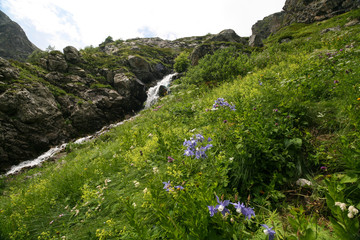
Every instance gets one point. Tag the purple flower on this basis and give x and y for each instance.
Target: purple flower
(222, 206)
(179, 187)
(225, 121)
(170, 159)
(212, 210)
(269, 231)
(275, 110)
(248, 212)
(323, 168)
(189, 152)
(238, 206)
(167, 185)
(209, 139)
(336, 81)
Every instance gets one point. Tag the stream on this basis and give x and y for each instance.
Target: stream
(152, 97)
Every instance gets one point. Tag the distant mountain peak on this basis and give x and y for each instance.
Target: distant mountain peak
(14, 43)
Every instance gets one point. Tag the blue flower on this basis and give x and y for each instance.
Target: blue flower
(238, 206)
(248, 212)
(167, 185)
(222, 206)
(212, 210)
(269, 231)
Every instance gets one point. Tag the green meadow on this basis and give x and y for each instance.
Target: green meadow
(225, 151)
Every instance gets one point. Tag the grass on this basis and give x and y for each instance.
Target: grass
(297, 110)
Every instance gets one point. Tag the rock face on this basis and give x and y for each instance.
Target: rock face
(13, 41)
(300, 11)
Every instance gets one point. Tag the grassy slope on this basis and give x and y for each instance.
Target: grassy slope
(296, 110)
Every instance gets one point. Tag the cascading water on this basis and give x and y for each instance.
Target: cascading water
(153, 92)
(151, 99)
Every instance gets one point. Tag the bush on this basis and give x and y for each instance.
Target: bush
(182, 62)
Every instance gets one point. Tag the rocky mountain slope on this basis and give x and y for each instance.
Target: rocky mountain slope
(303, 11)
(14, 43)
(58, 96)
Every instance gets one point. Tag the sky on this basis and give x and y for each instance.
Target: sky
(81, 23)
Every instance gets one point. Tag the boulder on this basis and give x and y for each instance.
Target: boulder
(56, 62)
(71, 54)
(227, 35)
(130, 88)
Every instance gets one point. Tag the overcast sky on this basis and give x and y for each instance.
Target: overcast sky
(81, 23)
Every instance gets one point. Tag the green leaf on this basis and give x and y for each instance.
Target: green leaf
(348, 179)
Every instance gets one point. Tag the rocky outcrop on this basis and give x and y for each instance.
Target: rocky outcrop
(14, 43)
(223, 39)
(300, 11)
(7, 71)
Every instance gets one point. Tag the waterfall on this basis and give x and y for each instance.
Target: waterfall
(153, 92)
(151, 99)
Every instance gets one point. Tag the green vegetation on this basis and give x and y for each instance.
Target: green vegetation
(296, 116)
(182, 62)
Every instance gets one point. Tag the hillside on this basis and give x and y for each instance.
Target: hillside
(247, 136)
(14, 43)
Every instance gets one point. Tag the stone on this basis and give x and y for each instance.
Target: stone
(7, 71)
(56, 62)
(71, 54)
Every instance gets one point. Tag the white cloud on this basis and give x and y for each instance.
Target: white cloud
(89, 22)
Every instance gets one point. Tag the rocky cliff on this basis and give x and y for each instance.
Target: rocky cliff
(13, 41)
(299, 11)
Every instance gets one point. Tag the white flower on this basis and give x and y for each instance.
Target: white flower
(238, 210)
(341, 205)
(145, 191)
(134, 205)
(266, 232)
(350, 215)
(136, 183)
(155, 170)
(353, 210)
(150, 135)
(220, 208)
(303, 182)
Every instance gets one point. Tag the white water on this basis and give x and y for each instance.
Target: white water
(151, 99)
(153, 91)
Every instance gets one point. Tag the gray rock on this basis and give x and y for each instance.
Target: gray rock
(71, 54)
(56, 62)
(7, 71)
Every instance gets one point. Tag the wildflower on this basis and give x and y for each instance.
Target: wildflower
(212, 210)
(167, 185)
(225, 121)
(276, 124)
(155, 170)
(353, 210)
(248, 212)
(134, 205)
(358, 99)
(260, 83)
(179, 187)
(170, 159)
(145, 191)
(238, 206)
(222, 206)
(61, 215)
(350, 215)
(275, 110)
(303, 182)
(136, 183)
(323, 168)
(341, 205)
(188, 152)
(336, 81)
(150, 135)
(220, 102)
(269, 231)
(51, 222)
(209, 139)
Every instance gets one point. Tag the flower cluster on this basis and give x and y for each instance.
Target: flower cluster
(352, 211)
(240, 208)
(248, 212)
(193, 148)
(167, 186)
(220, 102)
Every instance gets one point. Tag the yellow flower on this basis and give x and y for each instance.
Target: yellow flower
(358, 99)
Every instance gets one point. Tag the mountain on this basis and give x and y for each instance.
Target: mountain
(299, 11)
(14, 43)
